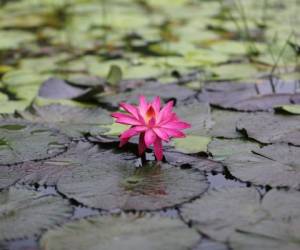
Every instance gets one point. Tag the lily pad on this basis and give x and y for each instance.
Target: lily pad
(223, 148)
(224, 124)
(291, 109)
(261, 96)
(188, 161)
(192, 144)
(21, 141)
(55, 88)
(280, 230)
(198, 115)
(220, 212)
(271, 128)
(150, 90)
(26, 213)
(113, 183)
(127, 233)
(274, 165)
(267, 235)
(73, 121)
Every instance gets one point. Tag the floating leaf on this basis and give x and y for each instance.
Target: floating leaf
(49, 171)
(280, 230)
(114, 76)
(274, 165)
(267, 235)
(198, 115)
(221, 149)
(21, 141)
(251, 97)
(25, 213)
(224, 124)
(73, 121)
(270, 128)
(192, 144)
(220, 212)
(125, 233)
(292, 109)
(55, 88)
(190, 161)
(113, 183)
(150, 90)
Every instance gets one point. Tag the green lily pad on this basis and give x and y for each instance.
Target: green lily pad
(221, 149)
(49, 171)
(224, 124)
(21, 141)
(14, 39)
(267, 235)
(291, 109)
(73, 121)
(273, 165)
(220, 212)
(198, 115)
(192, 144)
(112, 183)
(150, 90)
(7, 107)
(55, 88)
(280, 230)
(262, 96)
(126, 232)
(271, 128)
(25, 213)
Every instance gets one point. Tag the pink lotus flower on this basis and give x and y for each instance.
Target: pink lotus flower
(152, 123)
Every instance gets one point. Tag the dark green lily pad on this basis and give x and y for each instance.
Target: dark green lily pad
(224, 124)
(223, 148)
(198, 115)
(49, 171)
(113, 183)
(291, 109)
(25, 213)
(274, 165)
(55, 88)
(188, 161)
(9, 176)
(270, 128)
(251, 97)
(21, 141)
(280, 230)
(191, 144)
(219, 212)
(267, 235)
(73, 121)
(150, 90)
(126, 232)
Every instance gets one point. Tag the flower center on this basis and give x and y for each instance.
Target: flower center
(149, 114)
